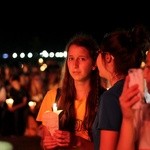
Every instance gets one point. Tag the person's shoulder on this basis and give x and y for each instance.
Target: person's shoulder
(51, 92)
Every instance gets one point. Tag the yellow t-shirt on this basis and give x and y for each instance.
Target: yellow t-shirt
(80, 112)
(47, 103)
(80, 105)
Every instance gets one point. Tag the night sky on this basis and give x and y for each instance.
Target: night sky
(51, 29)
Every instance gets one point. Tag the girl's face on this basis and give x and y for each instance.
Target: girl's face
(79, 63)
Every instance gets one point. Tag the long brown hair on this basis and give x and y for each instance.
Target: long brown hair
(68, 91)
(127, 48)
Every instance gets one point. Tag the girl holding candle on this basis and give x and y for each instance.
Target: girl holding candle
(79, 97)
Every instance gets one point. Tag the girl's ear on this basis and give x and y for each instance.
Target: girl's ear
(109, 57)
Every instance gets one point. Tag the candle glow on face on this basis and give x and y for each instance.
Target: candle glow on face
(54, 107)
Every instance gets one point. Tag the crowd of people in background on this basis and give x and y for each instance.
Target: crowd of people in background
(94, 95)
(23, 85)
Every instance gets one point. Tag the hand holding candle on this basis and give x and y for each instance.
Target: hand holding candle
(51, 119)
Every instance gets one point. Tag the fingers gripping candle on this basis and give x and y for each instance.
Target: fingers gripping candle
(51, 119)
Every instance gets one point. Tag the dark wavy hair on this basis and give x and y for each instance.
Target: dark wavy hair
(68, 91)
(127, 47)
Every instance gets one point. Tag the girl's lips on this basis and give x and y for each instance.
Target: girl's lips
(76, 72)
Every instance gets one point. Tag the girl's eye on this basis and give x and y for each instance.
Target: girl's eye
(78, 59)
(70, 58)
(82, 59)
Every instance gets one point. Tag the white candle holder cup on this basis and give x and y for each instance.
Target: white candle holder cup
(32, 105)
(9, 102)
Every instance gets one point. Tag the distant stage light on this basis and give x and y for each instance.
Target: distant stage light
(5, 56)
(65, 54)
(14, 55)
(58, 54)
(22, 55)
(30, 55)
(44, 53)
(51, 54)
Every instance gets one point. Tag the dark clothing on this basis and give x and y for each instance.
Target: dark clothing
(109, 116)
(19, 115)
(6, 119)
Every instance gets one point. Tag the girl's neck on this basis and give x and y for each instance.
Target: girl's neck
(80, 86)
(116, 79)
(82, 90)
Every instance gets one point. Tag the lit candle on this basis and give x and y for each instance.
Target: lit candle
(9, 102)
(54, 107)
(32, 104)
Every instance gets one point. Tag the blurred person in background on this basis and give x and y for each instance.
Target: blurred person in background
(36, 94)
(36, 90)
(3, 93)
(3, 107)
(52, 76)
(6, 72)
(25, 80)
(19, 107)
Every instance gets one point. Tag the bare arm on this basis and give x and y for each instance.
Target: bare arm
(108, 140)
(127, 132)
(127, 136)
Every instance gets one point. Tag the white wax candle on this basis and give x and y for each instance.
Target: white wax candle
(54, 107)
(32, 104)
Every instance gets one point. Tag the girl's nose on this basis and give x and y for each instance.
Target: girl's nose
(76, 63)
